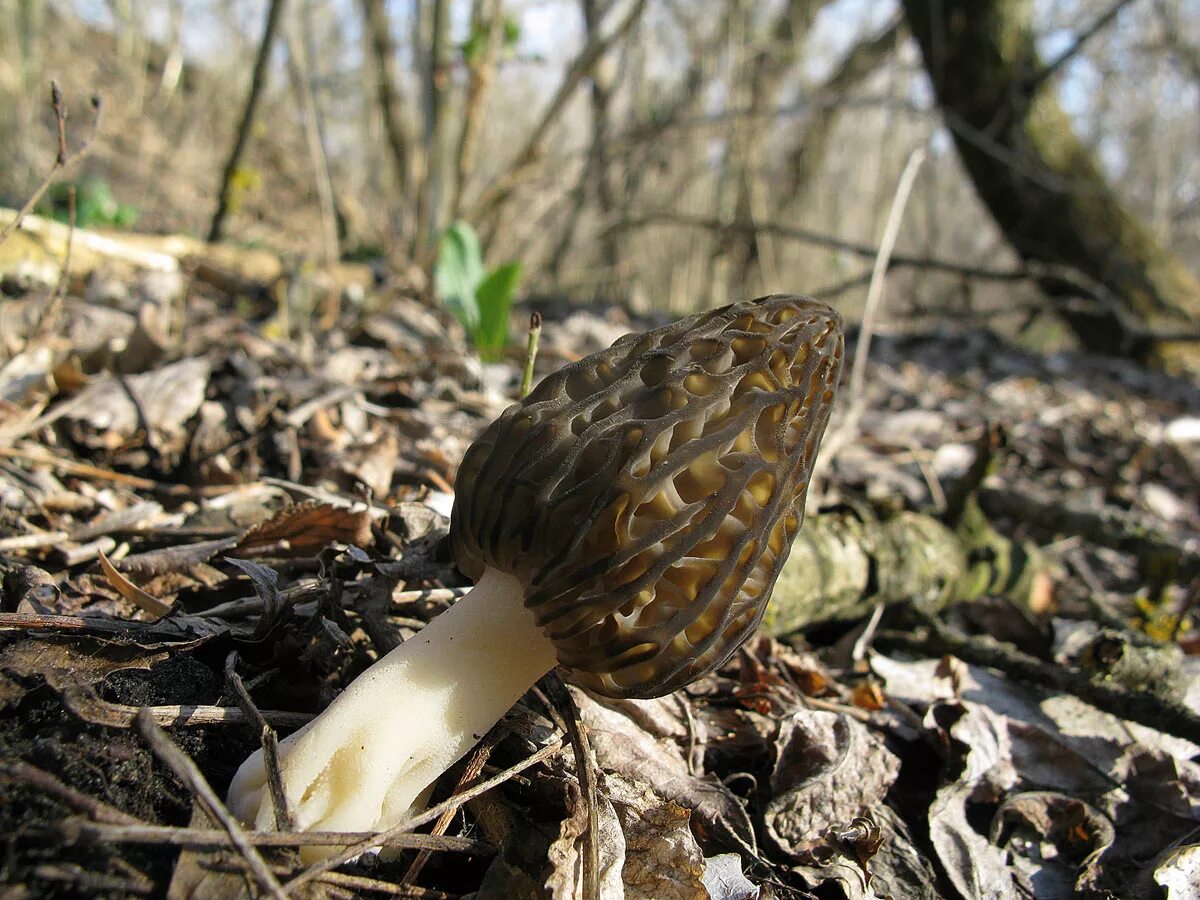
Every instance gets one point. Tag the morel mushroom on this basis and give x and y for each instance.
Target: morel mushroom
(626, 520)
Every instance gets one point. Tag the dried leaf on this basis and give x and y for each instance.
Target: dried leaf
(305, 529)
(1179, 872)
(1076, 833)
(166, 397)
(647, 851)
(566, 855)
(979, 742)
(829, 769)
(723, 878)
(132, 592)
(624, 747)
(868, 695)
(72, 661)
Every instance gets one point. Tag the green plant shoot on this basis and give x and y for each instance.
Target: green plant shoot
(479, 299)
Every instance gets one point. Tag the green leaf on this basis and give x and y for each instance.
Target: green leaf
(512, 32)
(472, 47)
(458, 274)
(495, 298)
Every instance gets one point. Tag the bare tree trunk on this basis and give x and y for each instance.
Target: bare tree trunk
(437, 83)
(301, 77)
(487, 14)
(807, 154)
(257, 82)
(1045, 189)
(22, 25)
(488, 206)
(595, 172)
(646, 150)
(768, 67)
(406, 163)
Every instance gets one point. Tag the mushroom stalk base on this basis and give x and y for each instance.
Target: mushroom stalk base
(364, 762)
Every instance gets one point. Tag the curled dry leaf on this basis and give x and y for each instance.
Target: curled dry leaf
(1056, 842)
(624, 746)
(1178, 871)
(979, 742)
(131, 592)
(829, 769)
(647, 851)
(305, 529)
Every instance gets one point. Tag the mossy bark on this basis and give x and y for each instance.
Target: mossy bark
(1044, 188)
(845, 562)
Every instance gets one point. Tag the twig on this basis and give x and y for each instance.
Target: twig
(88, 706)
(35, 541)
(48, 311)
(61, 160)
(470, 772)
(531, 349)
(179, 629)
(857, 404)
(189, 773)
(362, 846)
(891, 230)
(587, 780)
(1042, 75)
(83, 470)
(136, 832)
(820, 239)
(270, 745)
(1135, 706)
(21, 771)
(257, 81)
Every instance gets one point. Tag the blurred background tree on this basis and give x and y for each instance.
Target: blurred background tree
(664, 153)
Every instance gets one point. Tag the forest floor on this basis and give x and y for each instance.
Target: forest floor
(211, 512)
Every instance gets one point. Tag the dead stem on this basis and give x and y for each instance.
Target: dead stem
(189, 773)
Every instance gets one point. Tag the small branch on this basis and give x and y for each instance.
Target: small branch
(819, 239)
(214, 838)
(1134, 706)
(189, 773)
(84, 702)
(470, 772)
(270, 745)
(359, 847)
(62, 159)
(848, 427)
(891, 231)
(500, 190)
(1046, 72)
(19, 771)
(585, 769)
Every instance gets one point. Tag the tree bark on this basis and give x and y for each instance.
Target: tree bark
(595, 173)
(481, 71)
(808, 153)
(768, 67)
(845, 562)
(383, 48)
(257, 83)
(1044, 188)
(437, 94)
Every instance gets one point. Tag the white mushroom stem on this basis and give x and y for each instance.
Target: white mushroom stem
(364, 763)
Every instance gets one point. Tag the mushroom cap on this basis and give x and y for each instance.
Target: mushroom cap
(647, 496)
